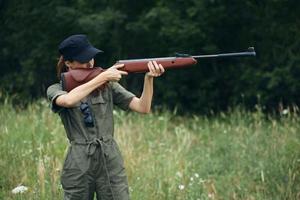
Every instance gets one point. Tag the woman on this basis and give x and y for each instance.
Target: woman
(93, 163)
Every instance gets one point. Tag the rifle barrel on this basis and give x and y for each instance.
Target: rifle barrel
(249, 52)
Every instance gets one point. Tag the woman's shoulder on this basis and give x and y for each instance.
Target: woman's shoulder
(54, 87)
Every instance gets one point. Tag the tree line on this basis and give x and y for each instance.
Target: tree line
(31, 31)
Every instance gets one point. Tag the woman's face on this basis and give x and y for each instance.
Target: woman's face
(76, 64)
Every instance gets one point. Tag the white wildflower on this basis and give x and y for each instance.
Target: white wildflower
(179, 174)
(181, 187)
(196, 175)
(201, 180)
(19, 189)
(285, 112)
(192, 178)
(130, 189)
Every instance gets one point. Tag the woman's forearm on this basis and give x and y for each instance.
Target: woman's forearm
(78, 93)
(143, 104)
(147, 94)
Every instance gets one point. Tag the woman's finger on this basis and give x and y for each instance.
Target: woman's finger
(117, 66)
(156, 65)
(123, 72)
(162, 69)
(156, 69)
(151, 67)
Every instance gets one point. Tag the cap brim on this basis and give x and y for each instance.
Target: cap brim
(87, 55)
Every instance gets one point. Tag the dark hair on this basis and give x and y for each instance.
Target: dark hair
(61, 67)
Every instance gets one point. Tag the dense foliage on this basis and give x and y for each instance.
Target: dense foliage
(31, 31)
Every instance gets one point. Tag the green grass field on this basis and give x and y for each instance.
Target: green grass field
(238, 155)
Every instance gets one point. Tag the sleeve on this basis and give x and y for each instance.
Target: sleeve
(53, 92)
(121, 96)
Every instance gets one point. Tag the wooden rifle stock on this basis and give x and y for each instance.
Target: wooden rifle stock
(74, 78)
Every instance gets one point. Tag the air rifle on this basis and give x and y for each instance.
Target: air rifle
(74, 78)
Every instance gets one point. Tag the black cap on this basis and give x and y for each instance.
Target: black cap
(78, 48)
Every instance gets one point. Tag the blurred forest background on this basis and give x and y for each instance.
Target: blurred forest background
(31, 31)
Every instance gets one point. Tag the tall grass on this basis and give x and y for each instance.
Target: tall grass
(237, 155)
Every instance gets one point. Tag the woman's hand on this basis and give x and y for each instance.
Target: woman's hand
(155, 69)
(143, 103)
(113, 73)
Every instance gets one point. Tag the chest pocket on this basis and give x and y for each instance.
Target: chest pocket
(100, 103)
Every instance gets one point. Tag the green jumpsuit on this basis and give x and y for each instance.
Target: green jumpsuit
(93, 163)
